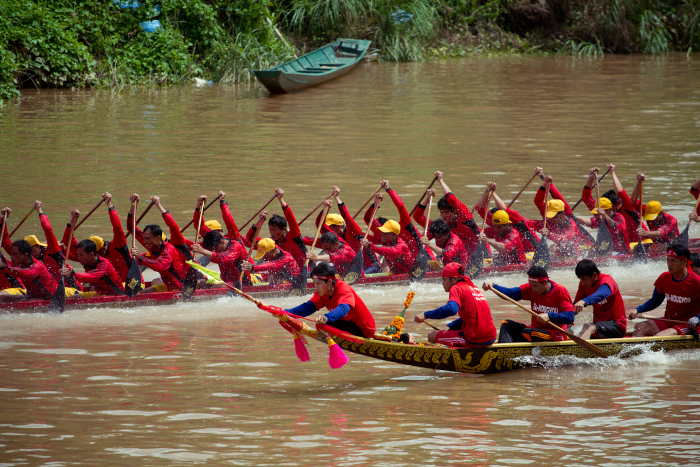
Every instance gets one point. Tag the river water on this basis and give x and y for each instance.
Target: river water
(218, 382)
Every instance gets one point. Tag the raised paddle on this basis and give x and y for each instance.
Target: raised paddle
(640, 251)
(358, 262)
(523, 189)
(542, 256)
(89, 213)
(601, 177)
(201, 214)
(250, 252)
(189, 285)
(420, 264)
(315, 209)
(148, 208)
(259, 211)
(582, 342)
(366, 202)
(21, 222)
(421, 198)
(476, 260)
(603, 241)
(132, 286)
(58, 301)
(682, 238)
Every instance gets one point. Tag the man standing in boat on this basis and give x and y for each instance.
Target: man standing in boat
(474, 327)
(680, 287)
(601, 292)
(347, 311)
(549, 300)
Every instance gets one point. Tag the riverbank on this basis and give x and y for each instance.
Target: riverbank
(60, 43)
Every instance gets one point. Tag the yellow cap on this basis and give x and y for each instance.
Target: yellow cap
(646, 240)
(554, 207)
(605, 203)
(32, 240)
(652, 210)
(390, 227)
(264, 246)
(99, 241)
(500, 218)
(213, 225)
(334, 219)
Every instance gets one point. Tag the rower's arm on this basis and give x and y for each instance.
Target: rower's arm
(338, 312)
(499, 202)
(51, 242)
(585, 221)
(303, 310)
(351, 226)
(161, 263)
(231, 226)
(176, 237)
(119, 239)
(294, 229)
(617, 186)
(637, 188)
(481, 204)
(515, 293)
(586, 194)
(455, 325)
(598, 296)
(445, 311)
(6, 242)
(445, 189)
(404, 218)
(656, 299)
(203, 229)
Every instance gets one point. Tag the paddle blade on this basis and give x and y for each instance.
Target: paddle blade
(189, 285)
(354, 272)
(420, 266)
(298, 287)
(542, 258)
(583, 231)
(604, 241)
(132, 286)
(588, 346)
(476, 261)
(58, 301)
(203, 261)
(682, 238)
(640, 253)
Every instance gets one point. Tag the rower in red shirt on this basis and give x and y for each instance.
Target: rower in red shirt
(395, 251)
(500, 234)
(615, 223)
(621, 203)
(277, 264)
(548, 299)
(227, 253)
(213, 225)
(680, 287)
(347, 311)
(38, 282)
(337, 252)
(474, 328)
(448, 247)
(99, 272)
(601, 292)
(7, 280)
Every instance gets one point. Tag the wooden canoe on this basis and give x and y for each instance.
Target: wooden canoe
(267, 291)
(499, 358)
(321, 65)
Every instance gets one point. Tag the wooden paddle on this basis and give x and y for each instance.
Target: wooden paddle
(148, 208)
(189, 285)
(21, 222)
(674, 321)
(318, 230)
(640, 251)
(315, 209)
(250, 252)
(542, 256)
(358, 262)
(58, 301)
(201, 214)
(523, 189)
(89, 213)
(601, 177)
(2, 229)
(603, 241)
(133, 277)
(259, 211)
(421, 198)
(427, 216)
(367, 202)
(437, 329)
(476, 261)
(583, 343)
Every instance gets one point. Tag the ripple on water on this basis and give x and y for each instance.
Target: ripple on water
(129, 413)
(192, 416)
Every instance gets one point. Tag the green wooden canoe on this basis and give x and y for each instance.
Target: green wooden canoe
(321, 65)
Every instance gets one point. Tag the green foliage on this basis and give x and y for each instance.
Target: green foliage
(653, 34)
(585, 49)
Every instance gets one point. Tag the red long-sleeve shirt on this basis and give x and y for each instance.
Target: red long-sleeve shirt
(464, 226)
(514, 252)
(7, 280)
(629, 213)
(169, 263)
(453, 251)
(37, 280)
(353, 235)
(229, 261)
(282, 268)
(621, 241)
(342, 258)
(524, 227)
(293, 242)
(409, 233)
(103, 277)
(567, 237)
(398, 256)
(53, 257)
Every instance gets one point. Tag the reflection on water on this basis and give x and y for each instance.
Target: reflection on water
(219, 383)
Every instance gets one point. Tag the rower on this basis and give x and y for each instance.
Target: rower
(548, 299)
(99, 272)
(279, 264)
(448, 247)
(663, 227)
(213, 225)
(337, 252)
(227, 253)
(680, 286)
(347, 311)
(399, 258)
(474, 328)
(600, 291)
(615, 223)
(500, 235)
(623, 204)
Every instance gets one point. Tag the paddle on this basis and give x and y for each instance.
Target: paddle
(421, 198)
(542, 256)
(259, 211)
(58, 301)
(21, 222)
(601, 177)
(583, 343)
(420, 265)
(89, 213)
(437, 329)
(132, 286)
(201, 214)
(640, 251)
(148, 208)
(603, 241)
(682, 238)
(315, 209)
(318, 230)
(250, 252)
(523, 189)
(674, 321)
(476, 261)
(356, 267)
(189, 285)
(367, 202)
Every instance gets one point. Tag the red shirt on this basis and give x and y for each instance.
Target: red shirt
(53, 257)
(668, 226)
(629, 213)
(453, 251)
(293, 242)
(682, 298)
(514, 252)
(611, 308)
(342, 258)
(353, 235)
(36, 279)
(398, 256)
(477, 323)
(556, 301)
(620, 237)
(229, 261)
(528, 237)
(231, 227)
(282, 268)
(103, 277)
(464, 227)
(169, 262)
(567, 237)
(358, 314)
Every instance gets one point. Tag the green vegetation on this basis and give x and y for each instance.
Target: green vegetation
(69, 43)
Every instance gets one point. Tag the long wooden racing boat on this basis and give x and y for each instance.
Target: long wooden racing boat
(321, 65)
(505, 357)
(267, 291)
